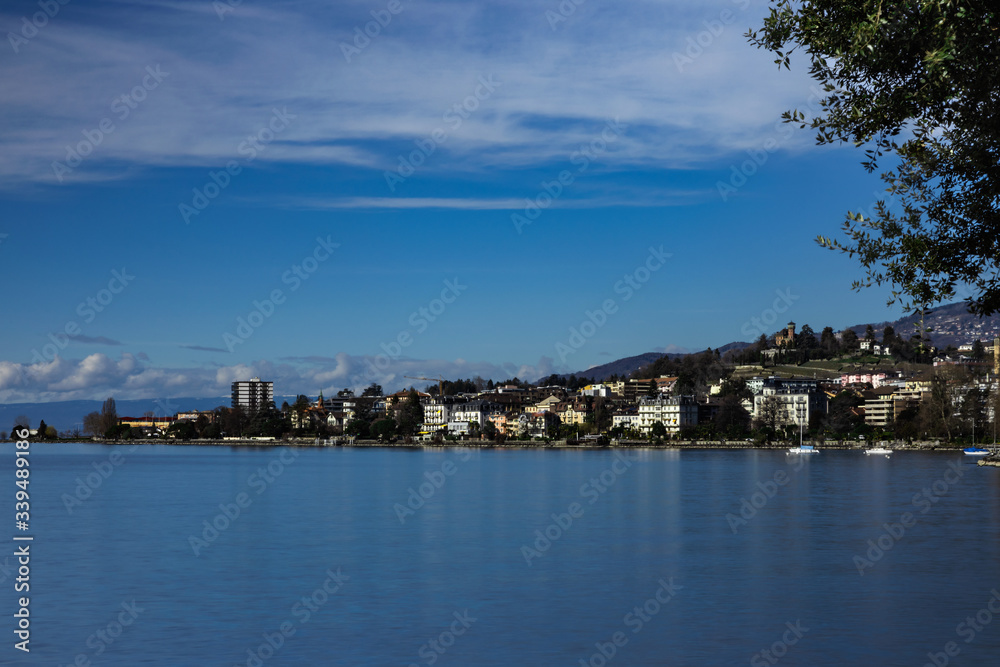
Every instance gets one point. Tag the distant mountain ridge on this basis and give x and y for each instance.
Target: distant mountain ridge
(951, 324)
(622, 367)
(628, 365)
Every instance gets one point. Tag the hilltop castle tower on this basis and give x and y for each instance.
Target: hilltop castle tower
(786, 337)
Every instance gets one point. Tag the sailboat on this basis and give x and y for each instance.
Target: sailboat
(879, 449)
(994, 449)
(978, 451)
(802, 449)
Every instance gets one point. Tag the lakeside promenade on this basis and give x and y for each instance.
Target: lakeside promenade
(923, 446)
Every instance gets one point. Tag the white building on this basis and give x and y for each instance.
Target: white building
(873, 347)
(674, 412)
(758, 384)
(463, 414)
(437, 414)
(626, 420)
(547, 404)
(253, 395)
(797, 407)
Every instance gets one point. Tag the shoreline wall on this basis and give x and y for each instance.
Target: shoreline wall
(524, 444)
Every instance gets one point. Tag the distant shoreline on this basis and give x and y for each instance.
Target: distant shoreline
(520, 444)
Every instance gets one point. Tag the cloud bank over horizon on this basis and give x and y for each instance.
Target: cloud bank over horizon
(98, 376)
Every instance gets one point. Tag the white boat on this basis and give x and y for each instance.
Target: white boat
(802, 449)
(979, 451)
(878, 450)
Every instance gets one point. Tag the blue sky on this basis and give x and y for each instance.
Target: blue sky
(518, 171)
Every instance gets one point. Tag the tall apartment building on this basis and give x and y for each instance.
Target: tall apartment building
(253, 395)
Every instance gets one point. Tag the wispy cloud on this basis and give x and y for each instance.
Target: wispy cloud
(202, 348)
(601, 63)
(95, 340)
(667, 197)
(412, 202)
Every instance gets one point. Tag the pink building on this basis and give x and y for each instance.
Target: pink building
(876, 380)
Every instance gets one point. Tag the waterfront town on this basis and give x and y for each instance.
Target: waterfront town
(793, 383)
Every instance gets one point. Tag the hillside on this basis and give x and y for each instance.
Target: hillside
(628, 365)
(951, 324)
(621, 367)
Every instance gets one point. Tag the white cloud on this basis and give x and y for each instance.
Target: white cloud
(557, 87)
(662, 197)
(98, 376)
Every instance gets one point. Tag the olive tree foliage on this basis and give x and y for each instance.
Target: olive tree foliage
(917, 84)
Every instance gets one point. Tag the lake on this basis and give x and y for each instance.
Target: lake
(183, 555)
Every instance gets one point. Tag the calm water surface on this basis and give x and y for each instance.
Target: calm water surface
(657, 556)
